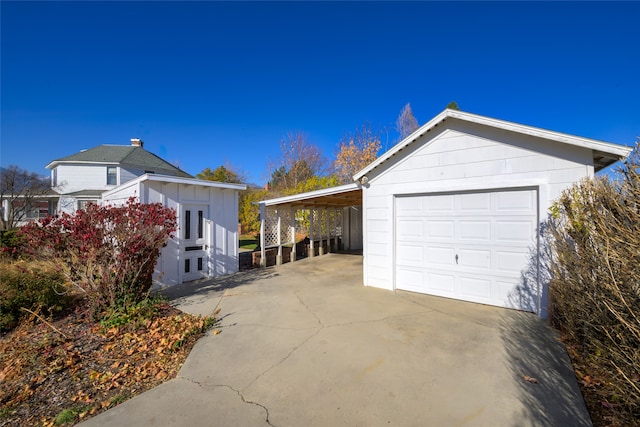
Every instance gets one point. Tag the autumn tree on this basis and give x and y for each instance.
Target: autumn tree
(453, 105)
(406, 123)
(226, 173)
(299, 160)
(355, 151)
(19, 190)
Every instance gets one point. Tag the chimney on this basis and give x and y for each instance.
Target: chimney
(137, 142)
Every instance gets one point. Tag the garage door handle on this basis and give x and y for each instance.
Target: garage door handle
(456, 258)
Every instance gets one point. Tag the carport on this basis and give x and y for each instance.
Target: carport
(331, 217)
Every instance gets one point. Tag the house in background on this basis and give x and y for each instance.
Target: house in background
(454, 209)
(206, 243)
(82, 177)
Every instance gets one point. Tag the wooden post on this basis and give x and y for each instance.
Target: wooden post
(263, 253)
(292, 228)
(279, 256)
(312, 251)
(321, 248)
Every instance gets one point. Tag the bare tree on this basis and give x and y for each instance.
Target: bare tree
(299, 161)
(406, 122)
(356, 150)
(19, 192)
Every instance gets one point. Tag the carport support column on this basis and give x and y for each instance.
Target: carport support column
(321, 248)
(263, 254)
(328, 221)
(292, 230)
(312, 251)
(279, 256)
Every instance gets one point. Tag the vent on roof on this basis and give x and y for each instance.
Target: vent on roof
(137, 142)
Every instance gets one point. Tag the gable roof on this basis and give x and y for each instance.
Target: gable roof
(125, 155)
(604, 153)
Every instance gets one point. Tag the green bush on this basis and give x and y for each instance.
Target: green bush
(31, 285)
(595, 276)
(11, 243)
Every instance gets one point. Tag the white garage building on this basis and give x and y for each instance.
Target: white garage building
(453, 209)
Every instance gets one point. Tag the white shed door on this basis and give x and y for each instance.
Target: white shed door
(193, 243)
(470, 246)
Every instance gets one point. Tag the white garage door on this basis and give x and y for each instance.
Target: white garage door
(469, 246)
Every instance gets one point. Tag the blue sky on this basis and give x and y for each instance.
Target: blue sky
(208, 83)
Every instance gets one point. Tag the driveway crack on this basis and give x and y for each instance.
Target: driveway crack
(308, 309)
(238, 392)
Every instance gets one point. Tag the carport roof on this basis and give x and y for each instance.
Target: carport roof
(335, 197)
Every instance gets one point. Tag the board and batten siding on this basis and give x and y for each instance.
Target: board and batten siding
(457, 158)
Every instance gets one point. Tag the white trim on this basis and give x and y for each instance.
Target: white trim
(317, 193)
(175, 180)
(56, 163)
(592, 144)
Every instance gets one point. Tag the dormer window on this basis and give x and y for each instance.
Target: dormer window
(112, 175)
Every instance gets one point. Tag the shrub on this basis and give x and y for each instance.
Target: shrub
(11, 243)
(31, 285)
(107, 252)
(595, 275)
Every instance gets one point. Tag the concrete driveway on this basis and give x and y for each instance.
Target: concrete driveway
(305, 344)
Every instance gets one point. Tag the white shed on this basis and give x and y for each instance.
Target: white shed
(206, 243)
(453, 210)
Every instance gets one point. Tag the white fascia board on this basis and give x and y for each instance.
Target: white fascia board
(317, 193)
(191, 181)
(175, 180)
(55, 163)
(592, 144)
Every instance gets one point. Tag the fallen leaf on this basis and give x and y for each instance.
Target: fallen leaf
(216, 332)
(530, 379)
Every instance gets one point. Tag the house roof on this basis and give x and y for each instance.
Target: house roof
(334, 197)
(125, 155)
(175, 180)
(604, 153)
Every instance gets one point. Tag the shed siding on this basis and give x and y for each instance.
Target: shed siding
(461, 157)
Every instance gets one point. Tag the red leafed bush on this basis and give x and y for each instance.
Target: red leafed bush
(107, 252)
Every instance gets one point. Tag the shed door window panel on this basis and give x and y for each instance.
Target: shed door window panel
(470, 246)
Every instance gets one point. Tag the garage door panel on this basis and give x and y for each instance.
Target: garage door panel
(475, 287)
(410, 255)
(475, 203)
(409, 205)
(410, 279)
(439, 205)
(440, 257)
(410, 229)
(444, 283)
(440, 229)
(511, 262)
(492, 234)
(514, 231)
(515, 201)
(475, 230)
(477, 259)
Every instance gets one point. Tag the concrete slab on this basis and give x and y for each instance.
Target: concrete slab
(306, 344)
